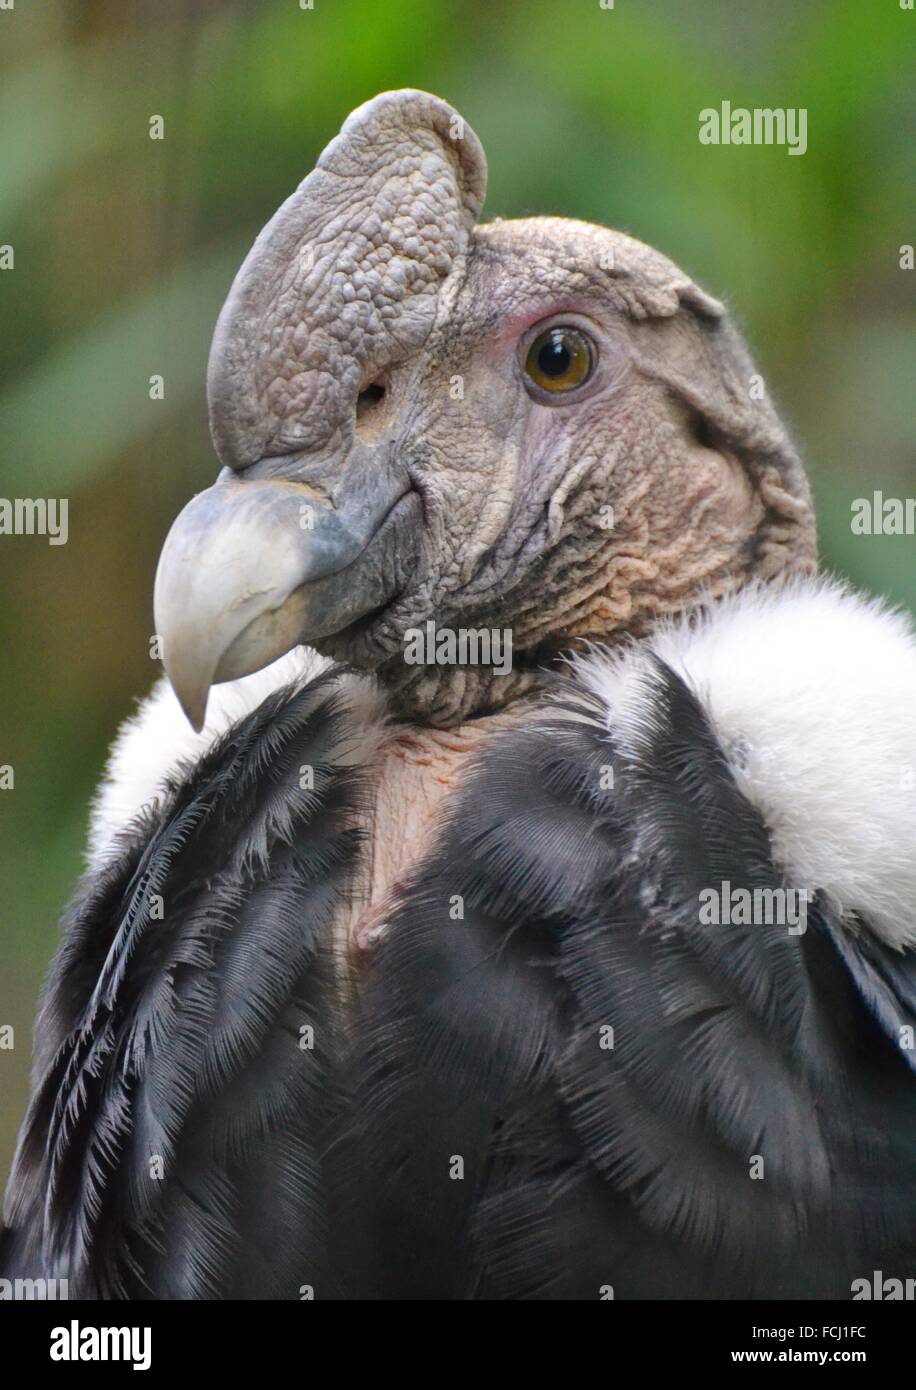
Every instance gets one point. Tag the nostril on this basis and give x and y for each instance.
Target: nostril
(370, 418)
(369, 398)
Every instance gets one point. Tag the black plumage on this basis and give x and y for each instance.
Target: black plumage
(176, 1041)
(401, 987)
(458, 1129)
(628, 1167)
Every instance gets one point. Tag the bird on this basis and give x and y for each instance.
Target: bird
(573, 957)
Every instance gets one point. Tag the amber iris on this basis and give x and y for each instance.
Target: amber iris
(559, 359)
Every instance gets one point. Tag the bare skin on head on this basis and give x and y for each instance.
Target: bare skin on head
(539, 426)
(582, 517)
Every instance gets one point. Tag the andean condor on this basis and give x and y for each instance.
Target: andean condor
(590, 970)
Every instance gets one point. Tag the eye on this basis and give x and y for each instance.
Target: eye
(559, 359)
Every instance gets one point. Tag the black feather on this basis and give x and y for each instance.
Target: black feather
(587, 1166)
(175, 1042)
(460, 1128)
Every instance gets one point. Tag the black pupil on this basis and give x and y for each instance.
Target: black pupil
(554, 358)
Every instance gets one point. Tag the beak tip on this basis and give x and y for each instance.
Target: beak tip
(192, 696)
(196, 721)
(194, 707)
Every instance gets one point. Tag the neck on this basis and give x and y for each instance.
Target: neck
(441, 697)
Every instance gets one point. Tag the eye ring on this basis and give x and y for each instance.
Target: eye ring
(559, 360)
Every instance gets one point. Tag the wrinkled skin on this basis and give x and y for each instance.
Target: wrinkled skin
(388, 460)
(369, 365)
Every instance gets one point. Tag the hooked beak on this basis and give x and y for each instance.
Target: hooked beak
(254, 567)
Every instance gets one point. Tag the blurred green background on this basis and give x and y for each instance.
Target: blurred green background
(124, 248)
